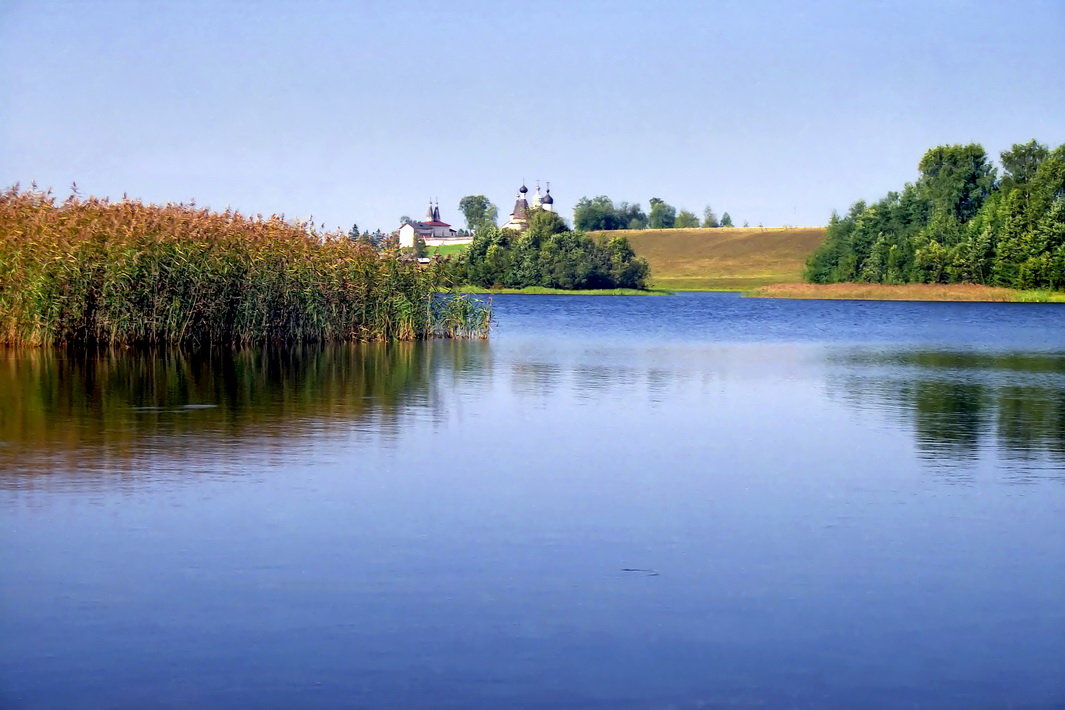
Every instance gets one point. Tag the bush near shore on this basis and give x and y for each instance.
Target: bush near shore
(549, 255)
(94, 271)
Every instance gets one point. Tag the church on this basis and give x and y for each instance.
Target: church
(519, 217)
(436, 232)
(432, 230)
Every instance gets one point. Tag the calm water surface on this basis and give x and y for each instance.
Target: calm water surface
(829, 504)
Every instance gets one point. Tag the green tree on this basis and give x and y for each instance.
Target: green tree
(595, 214)
(478, 211)
(525, 260)
(956, 179)
(726, 221)
(626, 269)
(542, 256)
(709, 218)
(956, 224)
(543, 224)
(662, 215)
(496, 265)
(631, 216)
(931, 262)
(1021, 162)
(685, 220)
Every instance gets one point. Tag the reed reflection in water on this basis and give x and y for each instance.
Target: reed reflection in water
(78, 412)
(449, 524)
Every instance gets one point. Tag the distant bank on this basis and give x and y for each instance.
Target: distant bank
(724, 258)
(906, 292)
(769, 263)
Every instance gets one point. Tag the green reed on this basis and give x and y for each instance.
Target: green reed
(94, 271)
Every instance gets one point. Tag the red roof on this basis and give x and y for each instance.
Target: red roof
(437, 224)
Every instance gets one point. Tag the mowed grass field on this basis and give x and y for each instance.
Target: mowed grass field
(723, 259)
(447, 249)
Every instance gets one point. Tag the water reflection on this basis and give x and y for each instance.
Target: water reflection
(123, 410)
(445, 524)
(216, 411)
(964, 405)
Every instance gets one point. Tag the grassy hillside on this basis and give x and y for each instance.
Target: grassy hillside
(724, 258)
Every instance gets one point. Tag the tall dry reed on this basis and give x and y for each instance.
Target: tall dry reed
(95, 271)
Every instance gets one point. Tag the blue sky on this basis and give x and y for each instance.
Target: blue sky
(777, 112)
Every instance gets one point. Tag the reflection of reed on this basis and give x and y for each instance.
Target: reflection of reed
(114, 409)
(960, 403)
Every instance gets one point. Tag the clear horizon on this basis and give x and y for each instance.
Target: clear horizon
(361, 112)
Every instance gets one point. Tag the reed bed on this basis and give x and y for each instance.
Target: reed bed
(95, 271)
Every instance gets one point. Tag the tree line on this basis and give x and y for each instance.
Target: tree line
(601, 214)
(960, 221)
(548, 254)
(598, 214)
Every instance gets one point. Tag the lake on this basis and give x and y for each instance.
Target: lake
(679, 502)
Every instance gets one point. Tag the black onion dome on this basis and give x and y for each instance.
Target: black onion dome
(548, 200)
(523, 189)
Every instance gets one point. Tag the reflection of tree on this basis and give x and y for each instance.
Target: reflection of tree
(949, 416)
(1032, 419)
(961, 402)
(114, 408)
(535, 379)
(596, 379)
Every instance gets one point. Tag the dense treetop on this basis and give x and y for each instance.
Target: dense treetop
(549, 254)
(959, 222)
(600, 214)
(478, 211)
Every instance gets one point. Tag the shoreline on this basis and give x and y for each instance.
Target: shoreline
(905, 292)
(544, 291)
(973, 293)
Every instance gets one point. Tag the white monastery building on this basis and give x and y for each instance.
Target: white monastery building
(519, 217)
(436, 232)
(433, 230)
